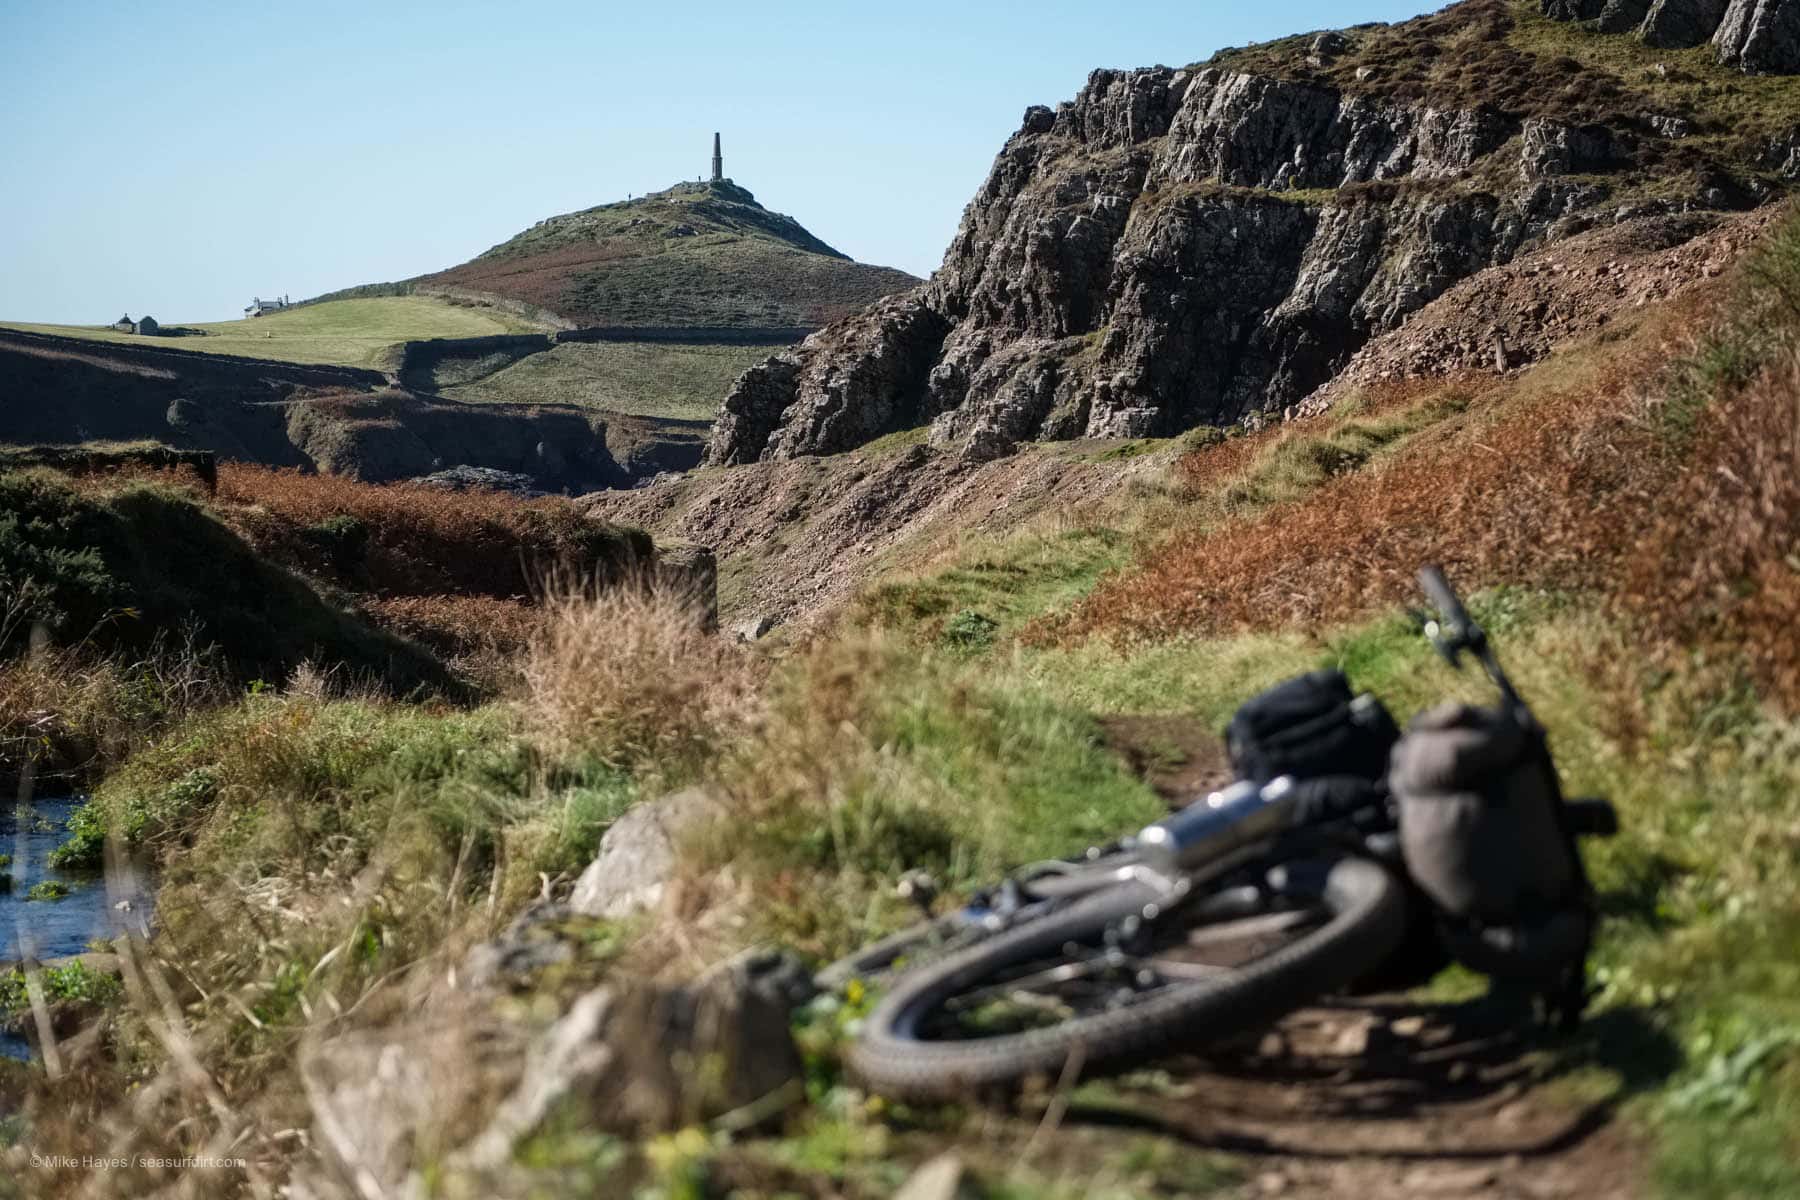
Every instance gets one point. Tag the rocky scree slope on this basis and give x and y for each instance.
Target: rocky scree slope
(1200, 246)
(701, 255)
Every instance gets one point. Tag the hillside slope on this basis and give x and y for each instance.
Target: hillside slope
(1203, 246)
(696, 255)
(349, 333)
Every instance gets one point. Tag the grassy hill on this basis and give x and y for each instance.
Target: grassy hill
(650, 379)
(696, 254)
(350, 333)
(701, 256)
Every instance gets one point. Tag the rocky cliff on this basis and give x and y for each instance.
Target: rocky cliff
(1198, 246)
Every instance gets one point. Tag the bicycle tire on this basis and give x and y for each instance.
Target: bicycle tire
(877, 959)
(1367, 920)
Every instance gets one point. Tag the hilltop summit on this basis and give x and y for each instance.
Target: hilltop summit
(695, 254)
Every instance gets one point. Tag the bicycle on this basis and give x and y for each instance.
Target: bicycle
(1217, 920)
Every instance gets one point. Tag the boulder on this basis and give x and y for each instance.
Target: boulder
(1761, 37)
(939, 1179)
(1678, 24)
(457, 1087)
(638, 854)
(464, 479)
(1623, 16)
(756, 628)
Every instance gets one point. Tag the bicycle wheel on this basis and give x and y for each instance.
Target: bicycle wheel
(1017, 901)
(1112, 977)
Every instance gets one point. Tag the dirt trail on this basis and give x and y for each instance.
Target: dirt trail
(1382, 1097)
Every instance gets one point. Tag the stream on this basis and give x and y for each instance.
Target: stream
(53, 928)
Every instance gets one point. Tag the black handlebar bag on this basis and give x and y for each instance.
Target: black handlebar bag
(1311, 727)
(1484, 835)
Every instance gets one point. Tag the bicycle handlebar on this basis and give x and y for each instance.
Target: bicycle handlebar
(1459, 632)
(1444, 598)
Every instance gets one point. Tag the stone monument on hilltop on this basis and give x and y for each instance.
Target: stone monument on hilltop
(718, 162)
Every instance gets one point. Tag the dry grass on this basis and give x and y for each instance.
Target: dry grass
(422, 541)
(68, 714)
(1719, 563)
(630, 677)
(1586, 488)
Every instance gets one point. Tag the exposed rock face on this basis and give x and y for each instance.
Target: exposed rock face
(841, 387)
(1133, 266)
(1757, 36)
(1761, 36)
(1677, 24)
(1552, 148)
(1517, 314)
(1201, 246)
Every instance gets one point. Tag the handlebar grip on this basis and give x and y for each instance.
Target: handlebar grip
(1443, 597)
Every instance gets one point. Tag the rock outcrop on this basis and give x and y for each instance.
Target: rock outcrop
(843, 386)
(1756, 36)
(1184, 247)
(1761, 36)
(1677, 24)
(450, 1093)
(1157, 255)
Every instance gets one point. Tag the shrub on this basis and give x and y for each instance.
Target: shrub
(630, 678)
(970, 631)
(48, 889)
(76, 981)
(343, 538)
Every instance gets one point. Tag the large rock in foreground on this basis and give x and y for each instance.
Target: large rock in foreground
(450, 1093)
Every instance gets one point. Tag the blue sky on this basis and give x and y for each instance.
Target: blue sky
(174, 158)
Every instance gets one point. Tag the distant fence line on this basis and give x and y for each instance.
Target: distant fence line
(722, 335)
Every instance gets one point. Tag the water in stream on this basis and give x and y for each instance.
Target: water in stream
(49, 929)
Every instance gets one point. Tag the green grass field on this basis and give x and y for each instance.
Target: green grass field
(351, 333)
(651, 379)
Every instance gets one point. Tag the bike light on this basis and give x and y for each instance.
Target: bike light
(1223, 822)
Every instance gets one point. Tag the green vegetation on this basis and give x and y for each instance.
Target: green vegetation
(1294, 467)
(350, 333)
(652, 379)
(48, 889)
(76, 981)
(1006, 581)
